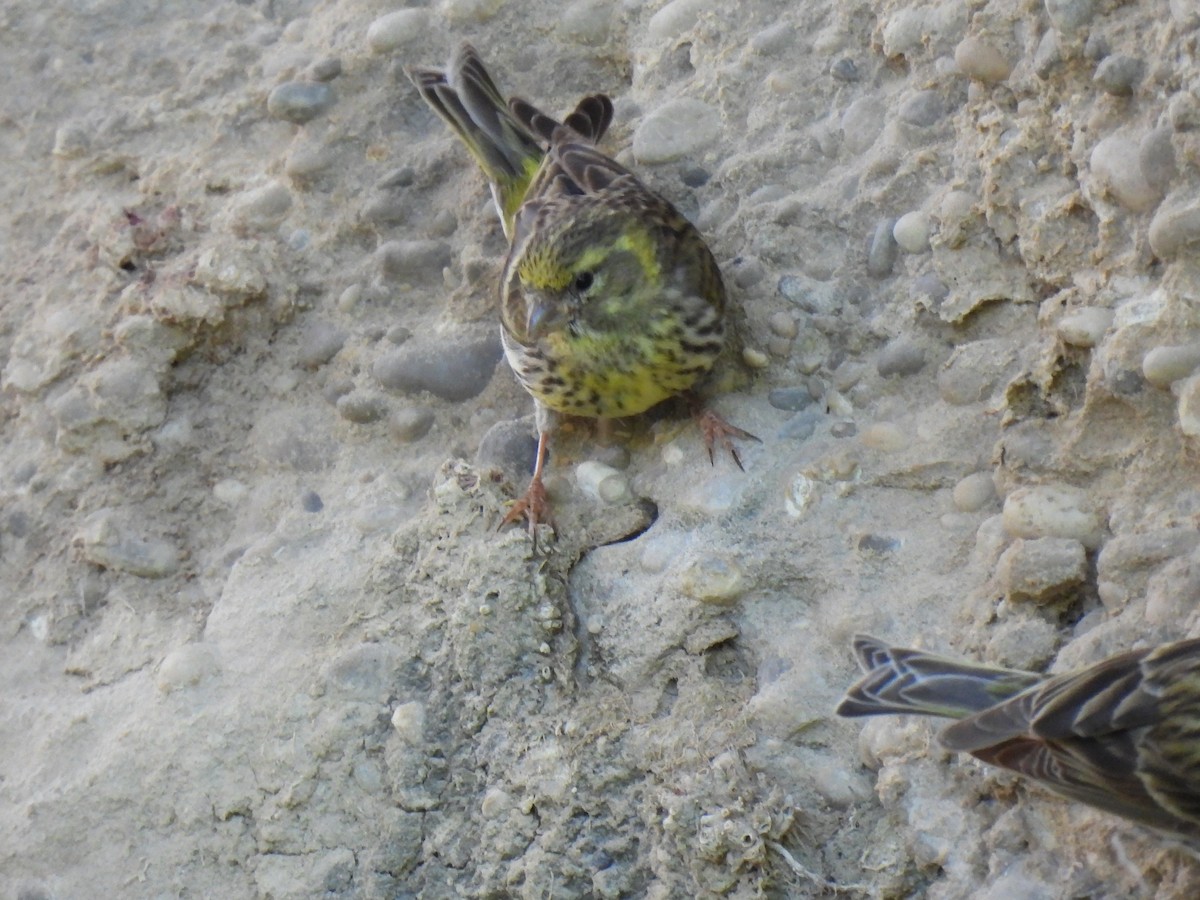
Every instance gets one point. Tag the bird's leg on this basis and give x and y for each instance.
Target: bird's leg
(716, 430)
(534, 506)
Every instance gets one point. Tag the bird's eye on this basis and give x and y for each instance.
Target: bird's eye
(582, 282)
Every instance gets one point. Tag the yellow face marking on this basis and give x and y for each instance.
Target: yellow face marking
(636, 242)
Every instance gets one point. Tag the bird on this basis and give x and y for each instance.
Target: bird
(1121, 735)
(610, 301)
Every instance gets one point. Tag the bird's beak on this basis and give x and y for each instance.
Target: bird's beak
(544, 315)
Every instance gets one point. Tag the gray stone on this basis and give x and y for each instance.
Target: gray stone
(902, 356)
(320, 343)
(511, 447)
(1119, 75)
(1042, 570)
(881, 255)
(420, 261)
(299, 101)
(454, 371)
(922, 109)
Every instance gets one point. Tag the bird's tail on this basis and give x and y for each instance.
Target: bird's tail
(465, 96)
(502, 136)
(919, 683)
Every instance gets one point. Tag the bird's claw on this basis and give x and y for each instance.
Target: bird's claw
(717, 431)
(534, 508)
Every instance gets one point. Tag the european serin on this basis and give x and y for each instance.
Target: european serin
(610, 302)
(1122, 735)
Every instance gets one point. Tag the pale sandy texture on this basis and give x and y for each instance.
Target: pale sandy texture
(259, 636)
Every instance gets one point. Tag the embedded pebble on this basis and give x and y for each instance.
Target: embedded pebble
(979, 59)
(1115, 162)
(929, 285)
(510, 446)
(1027, 643)
(845, 69)
(755, 358)
(922, 109)
(901, 356)
(1163, 366)
(990, 540)
(401, 177)
(774, 38)
(861, 123)
(661, 550)
(1118, 75)
(71, 142)
(385, 209)
(844, 377)
(695, 177)
(262, 208)
(748, 271)
(397, 29)
(713, 579)
(975, 370)
(911, 232)
(809, 295)
(419, 260)
(1047, 56)
(1156, 155)
(1084, 327)
(337, 385)
(466, 12)
(348, 298)
(675, 18)
(1050, 511)
(1096, 47)
(326, 69)
(1171, 592)
(361, 407)
(884, 436)
(1128, 554)
(299, 101)
(411, 423)
(186, 667)
(496, 803)
(783, 324)
(676, 129)
(311, 502)
(1069, 15)
(974, 492)
(320, 342)
(881, 254)
(1042, 570)
(408, 720)
(790, 399)
(1175, 229)
(1184, 111)
(602, 482)
(956, 212)
(801, 426)
(903, 32)
(1189, 406)
(587, 21)
(107, 541)
(454, 370)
